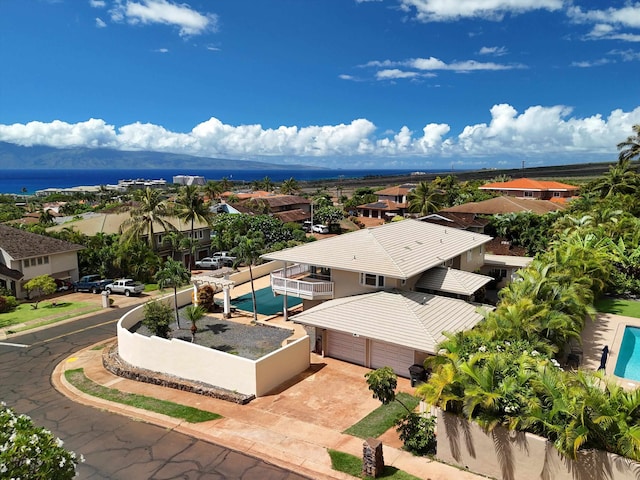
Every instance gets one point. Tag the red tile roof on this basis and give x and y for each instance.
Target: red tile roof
(529, 184)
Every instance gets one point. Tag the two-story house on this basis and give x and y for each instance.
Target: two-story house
(391, 202)
(25, 255)
(385, 296)
(111, 223)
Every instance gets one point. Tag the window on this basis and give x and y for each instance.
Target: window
(46, 260)
(556, 194)
(528, 194)
(371, 280)
(320, 273)
(40, 260)
(498, 273)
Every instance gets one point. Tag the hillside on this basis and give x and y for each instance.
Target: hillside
(16, 156)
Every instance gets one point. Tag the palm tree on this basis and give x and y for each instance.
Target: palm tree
(193, 314)
(247, 250)
(191, 207)
(46, 217)
(424, 199)
(630, 148)
(289, 186)
(173, 274)
(226, 184)
(151, 210)
(620, 179)
(213, 189)
(174, 239)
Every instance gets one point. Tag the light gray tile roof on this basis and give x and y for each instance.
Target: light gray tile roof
(412, 319)
(398, 250)
(506, 261)
(451, 280)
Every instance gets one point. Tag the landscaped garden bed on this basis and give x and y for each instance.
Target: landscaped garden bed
(250, 341)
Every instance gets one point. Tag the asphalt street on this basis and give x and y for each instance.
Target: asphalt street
(115, 447)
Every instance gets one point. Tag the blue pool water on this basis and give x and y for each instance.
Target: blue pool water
(266, 302)
(628, 364)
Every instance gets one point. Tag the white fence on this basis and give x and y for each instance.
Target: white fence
(194, 362)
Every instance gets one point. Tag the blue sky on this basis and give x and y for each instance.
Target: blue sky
(421, 84)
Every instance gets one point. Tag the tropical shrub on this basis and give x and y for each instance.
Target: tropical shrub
(206, 298)
(7, 303)
(31, 452)
(157, 318)
(417, 432)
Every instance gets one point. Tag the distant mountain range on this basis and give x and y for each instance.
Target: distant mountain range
(16, 156)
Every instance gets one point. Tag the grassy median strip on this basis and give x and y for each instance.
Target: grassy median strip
(78, 379)
(382, 418)
(352, 465)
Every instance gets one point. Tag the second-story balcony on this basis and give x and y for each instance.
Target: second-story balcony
(298, 281)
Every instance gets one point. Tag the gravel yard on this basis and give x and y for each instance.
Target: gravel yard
(248, 341)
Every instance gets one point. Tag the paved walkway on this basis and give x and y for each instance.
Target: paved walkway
(291, 428)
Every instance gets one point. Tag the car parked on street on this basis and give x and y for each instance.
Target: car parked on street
(318, 228)
(90, 283)
(209, 262)
(127, 286)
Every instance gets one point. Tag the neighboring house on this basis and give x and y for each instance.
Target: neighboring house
(474, 216)
(110, 223)
(287, 208)
(533, 189)
(385, 296)
(25, 255)
(392, 202)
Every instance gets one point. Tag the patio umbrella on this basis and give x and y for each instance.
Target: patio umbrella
(603, 359)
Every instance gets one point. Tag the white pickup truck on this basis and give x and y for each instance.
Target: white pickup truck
(125, 285)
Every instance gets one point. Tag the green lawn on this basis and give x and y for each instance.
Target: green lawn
(383, 418)
(78, 379)
(46, 312)
(352, 465)
(628, 308)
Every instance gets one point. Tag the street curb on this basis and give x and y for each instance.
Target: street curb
(250, 448)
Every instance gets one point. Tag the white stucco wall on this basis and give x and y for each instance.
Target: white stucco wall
(194, 362)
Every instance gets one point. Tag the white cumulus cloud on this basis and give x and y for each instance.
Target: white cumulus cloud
(542, 132)
(188, 21)
(448, 10)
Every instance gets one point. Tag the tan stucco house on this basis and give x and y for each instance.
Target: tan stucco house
(110, 223)
(385, 296)
(25, 255)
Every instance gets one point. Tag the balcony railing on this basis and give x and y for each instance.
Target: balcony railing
(283, 282)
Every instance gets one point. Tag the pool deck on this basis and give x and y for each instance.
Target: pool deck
(606, 329)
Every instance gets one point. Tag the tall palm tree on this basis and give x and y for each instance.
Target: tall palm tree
(174, 240)
(173, 274)
(226, 184)
(630, 148)
(189, 207)
(247, 250)
(620, 179)
(290, 186)
(424, 199)
(150, 211)
(212, 189)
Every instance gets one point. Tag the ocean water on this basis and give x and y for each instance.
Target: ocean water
(30, 180)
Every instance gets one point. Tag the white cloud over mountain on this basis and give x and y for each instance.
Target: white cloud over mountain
(538, 132)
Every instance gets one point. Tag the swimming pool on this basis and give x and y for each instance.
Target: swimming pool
(266, 302)
(628, 364)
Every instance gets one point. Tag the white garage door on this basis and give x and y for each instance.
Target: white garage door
(345, 346)
(395, 356)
